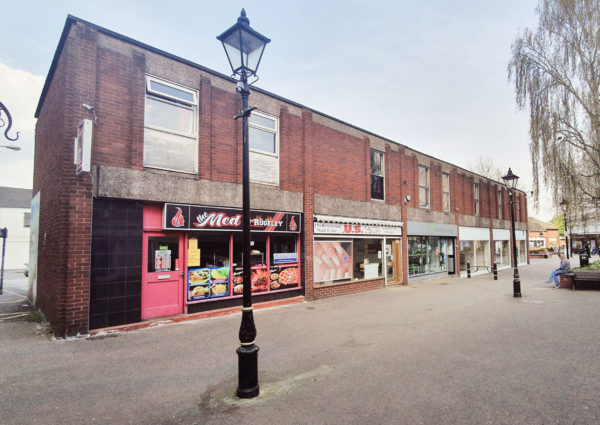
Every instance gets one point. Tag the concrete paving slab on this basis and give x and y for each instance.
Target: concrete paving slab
(446, 351)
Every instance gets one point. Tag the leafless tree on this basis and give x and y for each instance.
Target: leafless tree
(486, 167)
(556, 73)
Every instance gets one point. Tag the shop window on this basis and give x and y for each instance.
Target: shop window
(446, 191)
(502, 253)
(476, 197)
(263, 133)
(214, 250)
(367, 258)
(427, 254)
(477, 253)
(377, 175)
(170, 126)
(423, 186)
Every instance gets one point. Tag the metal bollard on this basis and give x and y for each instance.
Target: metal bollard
(495, 271)
(468, 270)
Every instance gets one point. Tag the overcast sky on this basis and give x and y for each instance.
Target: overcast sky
(430, 74)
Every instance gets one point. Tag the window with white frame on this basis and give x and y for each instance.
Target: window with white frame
(263, 140)
(476, 197)
(517, 208)
(170, 126)
(27, 219)
(500, 204)
(377, 174)
(423, 186)
(446, 191)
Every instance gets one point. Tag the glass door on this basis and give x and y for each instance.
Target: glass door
(393, 261)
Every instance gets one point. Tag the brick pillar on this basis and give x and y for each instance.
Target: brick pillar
(308, 204)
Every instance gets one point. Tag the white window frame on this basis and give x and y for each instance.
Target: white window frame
(476, 197)
(427, 187)
(170, 99)
(178, 101)
(444, 176)
(267, 129)
(499, 200)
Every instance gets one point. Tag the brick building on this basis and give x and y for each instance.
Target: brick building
(152, 230)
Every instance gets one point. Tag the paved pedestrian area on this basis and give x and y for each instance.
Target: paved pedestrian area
(444, 351)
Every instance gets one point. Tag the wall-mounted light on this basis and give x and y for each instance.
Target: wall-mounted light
(407, 199)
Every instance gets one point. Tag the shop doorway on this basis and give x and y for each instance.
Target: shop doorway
(451, 260)
(162, 275)
(393, 261)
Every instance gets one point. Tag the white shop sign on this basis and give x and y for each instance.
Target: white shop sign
(474, 233)
(355, 229)
(501, 234)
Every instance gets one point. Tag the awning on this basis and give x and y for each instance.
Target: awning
(353, 220)
(334, 225)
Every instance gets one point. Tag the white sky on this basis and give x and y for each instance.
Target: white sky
(430, 75)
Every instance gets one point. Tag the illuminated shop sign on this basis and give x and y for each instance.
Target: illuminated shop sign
(193, 217)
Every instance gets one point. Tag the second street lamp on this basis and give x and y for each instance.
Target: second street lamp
(564, 206)
(510, 181)
(244, 48)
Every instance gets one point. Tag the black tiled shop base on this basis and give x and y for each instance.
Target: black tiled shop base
(116, 269)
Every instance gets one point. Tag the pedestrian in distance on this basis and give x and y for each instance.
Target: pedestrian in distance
(562, 269)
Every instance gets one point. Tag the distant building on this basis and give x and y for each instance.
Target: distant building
(542, 234)
(15, 208)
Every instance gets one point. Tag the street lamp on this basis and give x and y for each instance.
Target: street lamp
(510, 181)
(564, 206)
(244, 48)
(12, 147)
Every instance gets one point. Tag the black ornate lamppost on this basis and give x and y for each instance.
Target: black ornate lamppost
(4, 110)
(564, 206)
(510, 181)
(244, 48)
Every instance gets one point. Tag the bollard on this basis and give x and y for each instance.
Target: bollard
(468, 270)
(495, 271)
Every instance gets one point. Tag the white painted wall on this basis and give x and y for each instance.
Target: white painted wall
(17, 243)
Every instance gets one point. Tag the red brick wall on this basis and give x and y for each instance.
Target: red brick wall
(314, 159)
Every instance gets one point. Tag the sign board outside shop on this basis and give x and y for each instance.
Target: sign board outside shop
(82, 151)
(194, 217)
(355, 229)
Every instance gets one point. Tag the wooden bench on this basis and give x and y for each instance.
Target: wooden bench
(586, 279)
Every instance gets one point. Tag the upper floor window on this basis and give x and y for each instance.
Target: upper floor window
(476, 197)
(170, 126)
(423, 186)
(27, 219)
(500, 204)
(446, 191)
(517, 208)
(263, 140)
(377, 174)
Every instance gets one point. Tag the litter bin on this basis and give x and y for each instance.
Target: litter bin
(584, 260)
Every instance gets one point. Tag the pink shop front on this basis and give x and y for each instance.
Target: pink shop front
(192, 258)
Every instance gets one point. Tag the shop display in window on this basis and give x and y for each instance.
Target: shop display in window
(162, 259)
(332, 260)
(285, 276)
(207, 283)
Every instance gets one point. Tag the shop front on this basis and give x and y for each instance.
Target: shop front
(474, 250)
(196, 258)
(431, 248)
(501, 248)
(349, 250)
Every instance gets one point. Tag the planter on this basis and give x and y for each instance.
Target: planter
(566, 280)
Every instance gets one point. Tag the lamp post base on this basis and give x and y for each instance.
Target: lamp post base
(247, 371)
(516, 284)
